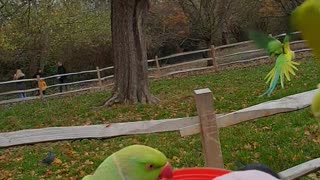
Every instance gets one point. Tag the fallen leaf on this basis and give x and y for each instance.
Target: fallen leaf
(87, 162)
(176, 159)
(295, 158)
(247, 147)
(88, 122)
(306, 132)
(82, 173)
(49, 172)
(70, 153)
(57, 161)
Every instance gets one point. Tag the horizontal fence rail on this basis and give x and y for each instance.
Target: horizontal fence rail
(218, 57)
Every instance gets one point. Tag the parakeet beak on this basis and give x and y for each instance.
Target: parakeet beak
(166, 173)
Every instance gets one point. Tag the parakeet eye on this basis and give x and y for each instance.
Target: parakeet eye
(150, 166)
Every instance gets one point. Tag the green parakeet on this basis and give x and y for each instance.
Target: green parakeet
(136, 162)
(315, 106)
(284, 65)
(306, 18)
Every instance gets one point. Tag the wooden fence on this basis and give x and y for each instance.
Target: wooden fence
(218, 58)
(207, 123)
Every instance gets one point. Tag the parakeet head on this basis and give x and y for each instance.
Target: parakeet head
(286, 44)
(315, 106)
(138, 162)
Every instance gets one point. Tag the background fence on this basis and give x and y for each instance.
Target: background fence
(211, 59)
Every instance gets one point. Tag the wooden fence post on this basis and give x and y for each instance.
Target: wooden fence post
(209, 129)
(158, 67)
(99, 76)
(214, 60)
(39, 86)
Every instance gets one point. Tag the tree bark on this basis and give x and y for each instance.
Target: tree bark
(129, 53)
(46, 38)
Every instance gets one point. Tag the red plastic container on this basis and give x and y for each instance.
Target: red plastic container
(198, 173)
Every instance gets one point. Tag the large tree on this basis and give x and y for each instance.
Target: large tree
(129, 52)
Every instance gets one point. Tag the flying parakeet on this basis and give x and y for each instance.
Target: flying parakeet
(284, 65)
(306, 18)
(136, 162)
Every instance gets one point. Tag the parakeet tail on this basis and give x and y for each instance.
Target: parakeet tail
(280, 71)
(275, 78)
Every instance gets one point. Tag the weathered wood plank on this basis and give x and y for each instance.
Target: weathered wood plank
(31, 136)
(74, 73)
(73, 83)
(185, 63)
(286, 104)
(209, 129)
(15, 81)
(183, 54)
(301, 170)
(241, 53)
(188, 70)
(19, 91)
(107, 77)
(103, 69)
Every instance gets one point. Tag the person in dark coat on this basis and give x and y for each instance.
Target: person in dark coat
(20, 85)
(61, 79)
(40, 73)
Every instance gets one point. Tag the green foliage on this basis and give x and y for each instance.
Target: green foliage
(49, 31)
(291, 137)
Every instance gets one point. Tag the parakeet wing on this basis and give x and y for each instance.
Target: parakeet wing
(272, 45)
(283, 68)
(306, 18)
(107, 168)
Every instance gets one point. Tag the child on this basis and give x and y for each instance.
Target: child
(43, 84)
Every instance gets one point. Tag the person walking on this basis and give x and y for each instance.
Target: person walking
(61, 79)
(20, 85)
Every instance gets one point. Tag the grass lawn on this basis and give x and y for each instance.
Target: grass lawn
(279, 141)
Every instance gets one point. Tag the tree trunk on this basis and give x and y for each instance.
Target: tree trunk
(129, 53)
(46, 41)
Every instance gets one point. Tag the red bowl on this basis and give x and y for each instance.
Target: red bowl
(198, 173)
